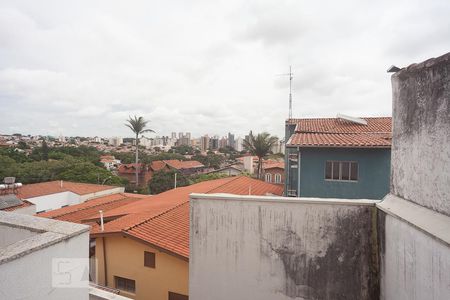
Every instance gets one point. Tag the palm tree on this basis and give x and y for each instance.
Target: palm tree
(137, 125)
(259, 146)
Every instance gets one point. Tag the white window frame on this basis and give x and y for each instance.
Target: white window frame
(268, 176)
(277, 178)
(340, 162)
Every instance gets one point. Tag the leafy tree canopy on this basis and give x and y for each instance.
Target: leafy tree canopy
(165, 180)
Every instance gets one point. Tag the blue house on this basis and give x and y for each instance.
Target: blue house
(341, 157)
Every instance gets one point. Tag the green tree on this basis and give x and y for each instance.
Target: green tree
(211, 160)
(206, 177)
(183, 149)
(22, 145)
(7, 167)
(165, 180)
(259, 146)
(137, 125)
(44, 150)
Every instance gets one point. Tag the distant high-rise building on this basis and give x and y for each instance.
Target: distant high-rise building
(115, 141)
(223, 142)
(204, 144)
(231, 141)
(188, 135)
(214, 143)
(174, 135)
(239, 144)
(180, 135)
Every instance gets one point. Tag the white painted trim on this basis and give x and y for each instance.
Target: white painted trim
(427, 220)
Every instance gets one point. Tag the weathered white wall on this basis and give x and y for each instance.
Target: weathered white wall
(111, 191)
(54, 201)
(415, 266)
(246, 247)
(30, 277)
(9, 235)
(421, 134)
(27, 210)
(415, 225)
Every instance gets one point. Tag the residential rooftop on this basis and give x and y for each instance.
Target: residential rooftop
(339, 132)
(161, 220)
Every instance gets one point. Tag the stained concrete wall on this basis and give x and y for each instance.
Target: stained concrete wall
(245, 247)
(415, 266)
(421, 134)
(414, 225)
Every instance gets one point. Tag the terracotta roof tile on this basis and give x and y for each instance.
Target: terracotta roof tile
(336, 125)
(335, 132)
(163, 219)
(80, 212)
(183, 164)
(169, 230)
(272, 165)
(362, 140)
(158, 165)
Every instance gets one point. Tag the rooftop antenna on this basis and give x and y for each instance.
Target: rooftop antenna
(290, 74)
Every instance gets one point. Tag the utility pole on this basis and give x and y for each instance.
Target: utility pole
(290, 92)
(290, 74)
(175, 181)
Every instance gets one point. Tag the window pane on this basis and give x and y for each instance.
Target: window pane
(149, 259)
(328, 170)
(175, 296)
(335, 170)
(354, 171)
(125, 284)
(345, 170)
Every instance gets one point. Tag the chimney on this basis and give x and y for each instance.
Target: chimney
(101, 220)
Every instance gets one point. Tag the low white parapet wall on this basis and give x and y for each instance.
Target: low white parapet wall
(248, 247)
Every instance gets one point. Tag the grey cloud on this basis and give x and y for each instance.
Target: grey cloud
(205, 67)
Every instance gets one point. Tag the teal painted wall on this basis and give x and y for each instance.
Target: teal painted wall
(374, 173)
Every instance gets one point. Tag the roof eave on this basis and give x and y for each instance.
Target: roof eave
(162, 249)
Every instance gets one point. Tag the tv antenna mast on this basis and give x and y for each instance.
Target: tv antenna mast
(290, 74)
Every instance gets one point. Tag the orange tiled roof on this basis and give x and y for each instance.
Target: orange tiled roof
(52, 187)
(362, 140)
(80, 212)
(168, 227)
(335, 132)
(130, 168)
(337, 125)
(158, 165)
(161, 220)
(183, 164)
(273, 164)
(169, 230)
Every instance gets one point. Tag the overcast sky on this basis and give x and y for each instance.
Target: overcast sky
(204, 66)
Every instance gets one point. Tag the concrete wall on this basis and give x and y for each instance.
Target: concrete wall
(414, 225)
(30, 277)
(125, 258)
(26, 265)
(54, 201)
(414, 251)
(111, 191)
(245, 247)
(373, 173)
(10, 235)
(421, 134)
